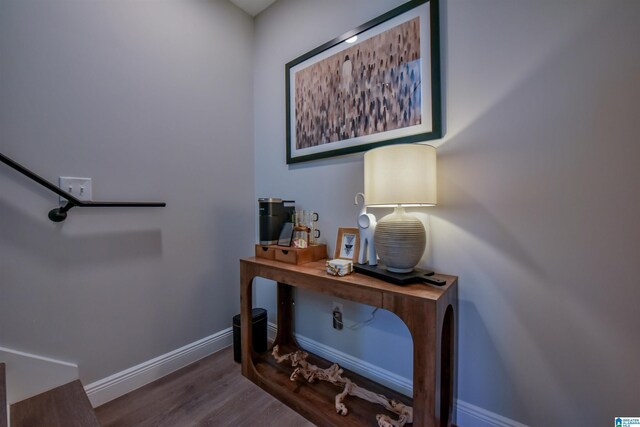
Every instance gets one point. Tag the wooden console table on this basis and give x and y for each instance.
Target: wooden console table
(428, 311)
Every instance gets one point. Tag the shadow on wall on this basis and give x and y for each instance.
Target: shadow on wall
(457, 204)
(228, 236)
(51, 245)
(484, 363)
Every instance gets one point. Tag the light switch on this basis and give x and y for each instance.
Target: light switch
(77, 187)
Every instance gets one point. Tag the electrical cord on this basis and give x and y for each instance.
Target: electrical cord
(359, 324)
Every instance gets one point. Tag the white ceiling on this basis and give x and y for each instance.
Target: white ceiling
(252, 7)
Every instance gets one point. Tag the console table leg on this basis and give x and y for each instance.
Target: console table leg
(425, 369)
(434, 365)
(422, 321)
(246, 331)
(285, 316)
(447, 366)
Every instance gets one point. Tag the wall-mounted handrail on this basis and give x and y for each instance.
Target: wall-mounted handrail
(60, 214)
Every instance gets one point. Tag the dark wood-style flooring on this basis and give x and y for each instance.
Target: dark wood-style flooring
(210, 392)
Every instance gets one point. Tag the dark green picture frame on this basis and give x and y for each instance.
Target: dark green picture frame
(429, 57)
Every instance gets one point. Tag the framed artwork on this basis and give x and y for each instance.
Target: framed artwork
(347, 244)
(376, 85)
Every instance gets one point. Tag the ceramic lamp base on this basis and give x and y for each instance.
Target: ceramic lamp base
(400, 239)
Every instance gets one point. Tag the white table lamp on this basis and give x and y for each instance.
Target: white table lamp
(400, 176)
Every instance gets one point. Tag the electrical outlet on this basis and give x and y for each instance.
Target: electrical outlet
(336, 315)
(337, 306)
(77, 187)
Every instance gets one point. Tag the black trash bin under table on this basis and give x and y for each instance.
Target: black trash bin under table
(259, 331)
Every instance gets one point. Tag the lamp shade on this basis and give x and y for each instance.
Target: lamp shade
(402, 174)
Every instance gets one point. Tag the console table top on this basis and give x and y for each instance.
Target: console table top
(317, 271)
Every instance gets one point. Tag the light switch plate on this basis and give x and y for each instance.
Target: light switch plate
(78, 187)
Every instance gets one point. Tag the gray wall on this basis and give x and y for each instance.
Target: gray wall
(538, 198)
(153, 101)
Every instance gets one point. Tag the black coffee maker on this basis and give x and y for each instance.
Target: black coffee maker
(273, 214)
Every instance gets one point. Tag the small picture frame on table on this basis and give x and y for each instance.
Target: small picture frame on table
(347, 244)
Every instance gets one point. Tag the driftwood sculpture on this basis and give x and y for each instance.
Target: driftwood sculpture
(333, 375)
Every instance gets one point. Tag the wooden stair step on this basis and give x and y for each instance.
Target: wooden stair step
(64, 406)
(3, 396)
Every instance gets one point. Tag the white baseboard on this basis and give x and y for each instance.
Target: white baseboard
(121, 383)
(29, 374)
(468, 415)
(474, 416)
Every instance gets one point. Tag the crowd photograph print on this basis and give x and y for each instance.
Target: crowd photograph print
(375, 85)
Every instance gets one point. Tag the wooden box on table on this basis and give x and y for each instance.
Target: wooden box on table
(292, 255)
